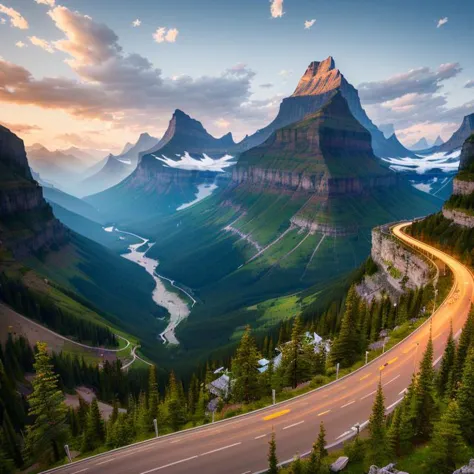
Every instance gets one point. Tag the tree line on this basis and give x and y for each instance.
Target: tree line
(42, 309)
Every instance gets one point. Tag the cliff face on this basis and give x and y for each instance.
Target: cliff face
(329, 153)
(459, 207)
(320, 82)
(459, 136)
(27, 223)
(401, 266)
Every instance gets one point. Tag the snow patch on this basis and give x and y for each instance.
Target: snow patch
(187, 162)
(204, 190)
(446, 162)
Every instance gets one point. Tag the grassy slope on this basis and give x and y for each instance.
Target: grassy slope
(111, 283)
(194, 249)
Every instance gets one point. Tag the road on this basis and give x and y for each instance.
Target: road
(239, 445)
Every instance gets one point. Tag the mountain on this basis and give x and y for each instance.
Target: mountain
(27, 224)
(297, 212)
(72, 203)
(87, 156)
(168, 174)
(61, 169)
(458, 137)
(316, 87)
(53, 261)
(439, 141)
(116, 168)
(421, 144)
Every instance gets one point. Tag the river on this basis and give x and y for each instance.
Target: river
(176, 305)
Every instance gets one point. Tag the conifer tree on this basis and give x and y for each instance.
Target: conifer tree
(465, 398)
(346, 347)
(393, 433)
(321, 442)
(445, 374)
(245, 369)
(446, 443)
(272, 456)
(7, 466)
(175, 405)
(425, 407)
(377, 439)
(295, 364)
(94, 431)
(153, 397)
(465, 341)
(297, 465)
(143, 425)
(47, 409)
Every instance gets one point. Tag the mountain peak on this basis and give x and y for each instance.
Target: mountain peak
(319, 77)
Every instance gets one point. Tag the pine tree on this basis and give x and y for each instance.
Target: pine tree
(425, 407)
(153, 397)
(465, 341)
(445, 374)
(407, 418)
(377, 439)
(272, 456)
(7, 466)
(296, 360)
(346, 347)
(446, 443)
(465, 398)
(143, 425)
(321, 442)
(48, 410)
(393, 433)
(245, 369)
(297, 465)
(175, 405)
(94, 431)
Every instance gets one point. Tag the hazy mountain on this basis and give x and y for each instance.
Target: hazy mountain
(116, 168)
(316, 87)
(421, 144)
(458, 137)
(439, 141)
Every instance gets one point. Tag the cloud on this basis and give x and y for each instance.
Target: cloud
(2, 21)
(276, 8)
(124, 89)
(162, 35)
(309, 23)
(21, 45)
(285, 73)
(222, 123)
(421, 80)
(442, 21)
(50, 3)
(136, 23)
(21, 128)
(84, 140)
(16, 20)
(267, 85)
(469, 84)
(43, 44)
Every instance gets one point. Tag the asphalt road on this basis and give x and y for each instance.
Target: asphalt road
(239, 445)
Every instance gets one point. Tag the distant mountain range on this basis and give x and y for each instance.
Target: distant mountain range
(116, 168)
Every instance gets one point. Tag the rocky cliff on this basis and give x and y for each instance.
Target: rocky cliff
(316, 87)
(403, 268)
(27, 223)
(459, 208)
(459, 136)
(328, 153)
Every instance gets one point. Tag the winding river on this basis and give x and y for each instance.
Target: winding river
(176, 305)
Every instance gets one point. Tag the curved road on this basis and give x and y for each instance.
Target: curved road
(239, 445)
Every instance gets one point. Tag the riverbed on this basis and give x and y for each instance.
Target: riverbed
(175, 302)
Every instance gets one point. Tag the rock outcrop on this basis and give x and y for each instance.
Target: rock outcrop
(402, 267)
(469, 469)
(320, 82)
(27, 223)
(328, 153)
(459, 207)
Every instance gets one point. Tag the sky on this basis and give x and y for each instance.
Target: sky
(97, 73)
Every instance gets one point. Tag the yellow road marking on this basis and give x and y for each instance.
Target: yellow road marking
(391, 361)
(323, 412)
(276, 415)
(406, 351)
(436, 337)
(365, 376)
